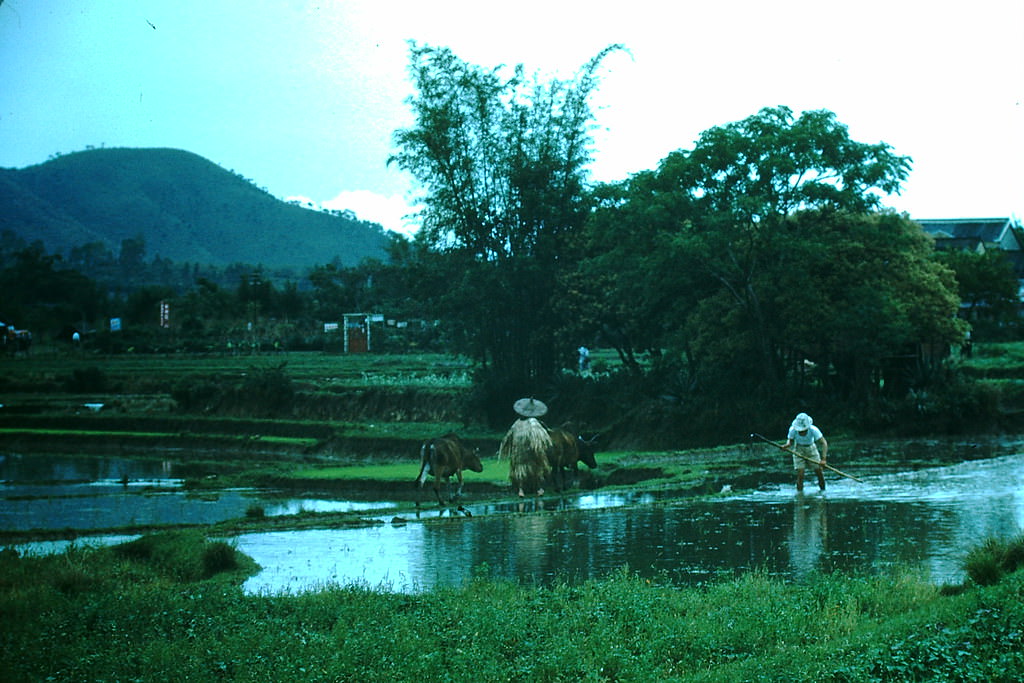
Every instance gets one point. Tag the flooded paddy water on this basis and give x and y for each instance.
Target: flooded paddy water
(63, 492)
(926, 518)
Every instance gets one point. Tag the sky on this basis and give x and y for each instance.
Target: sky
(303, 97)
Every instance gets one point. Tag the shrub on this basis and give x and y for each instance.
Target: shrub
(1014, 557)
(195, 394)
(255, 512)
(987, 563)
(268, 392)
(218, 557)
(71, 578)
(181, 555)
(261, 392)
(983, 564)
(86, 381)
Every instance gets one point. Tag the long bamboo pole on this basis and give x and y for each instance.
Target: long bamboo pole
(810, 460)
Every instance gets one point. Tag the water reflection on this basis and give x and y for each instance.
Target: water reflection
(927, 519)
(808, 535)
(18, 469)
(53, 547)
(98, 506)
(295, 506)
(84, 493)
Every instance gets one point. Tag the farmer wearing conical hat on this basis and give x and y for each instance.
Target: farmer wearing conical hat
(526, 446)
(806, 439)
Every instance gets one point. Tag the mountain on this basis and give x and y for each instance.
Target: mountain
(186, 208)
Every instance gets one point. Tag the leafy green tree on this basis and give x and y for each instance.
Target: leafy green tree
(40, 294)
(861, 298)
(746, 178)
(631, 284)
(93, 258)
(256, 293)
(761, 253)
(290, 304)
(502, 158)
(132, 259)
(333, 293)
(208, 305)
(142, 308)
(987, 286)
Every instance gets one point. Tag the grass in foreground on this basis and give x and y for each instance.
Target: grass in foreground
(155, 610)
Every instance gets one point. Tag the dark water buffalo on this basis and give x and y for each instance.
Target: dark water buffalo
(568, 449)
(444, 456)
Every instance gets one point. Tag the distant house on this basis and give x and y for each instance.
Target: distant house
(974, 234)
(981, 235)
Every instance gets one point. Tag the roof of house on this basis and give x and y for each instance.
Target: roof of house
(959, 243)
(988, 230)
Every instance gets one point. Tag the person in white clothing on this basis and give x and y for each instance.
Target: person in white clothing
(807, 440)
(584, 363)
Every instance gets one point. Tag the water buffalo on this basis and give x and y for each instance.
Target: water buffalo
(444, 456)
(568, 449)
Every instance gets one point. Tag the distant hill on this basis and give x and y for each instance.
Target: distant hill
(186, 208)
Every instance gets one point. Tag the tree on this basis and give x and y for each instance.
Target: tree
(987, 287)
(256, 293)
(746, 179)
(502, 159)
(207, 303)
(142, 307)
(762, 252)
(41, 294)
(860, 298)
(132, 259)
(333, 295)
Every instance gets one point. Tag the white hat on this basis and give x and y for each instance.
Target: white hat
(801, 422)
(529, 407)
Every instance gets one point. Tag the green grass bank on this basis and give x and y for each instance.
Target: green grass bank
(170, 607)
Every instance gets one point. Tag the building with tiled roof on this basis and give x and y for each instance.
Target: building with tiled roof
(982, 235)
(975, 234)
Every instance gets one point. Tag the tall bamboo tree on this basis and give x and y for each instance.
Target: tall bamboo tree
(502, 159)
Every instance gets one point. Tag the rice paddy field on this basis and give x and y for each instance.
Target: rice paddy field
(319, 420)
(169, 606)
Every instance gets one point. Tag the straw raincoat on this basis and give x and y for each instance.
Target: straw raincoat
(526, 446)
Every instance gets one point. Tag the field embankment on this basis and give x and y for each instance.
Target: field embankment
(170, 607)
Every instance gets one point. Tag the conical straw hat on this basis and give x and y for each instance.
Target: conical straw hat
(529, 407)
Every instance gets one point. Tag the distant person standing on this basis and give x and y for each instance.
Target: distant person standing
(806, 439)
(584, 353)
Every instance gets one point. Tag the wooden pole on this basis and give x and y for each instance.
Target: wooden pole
(810, 460)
